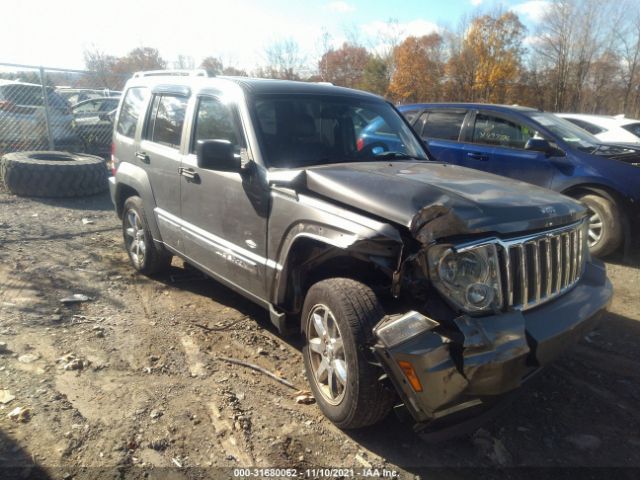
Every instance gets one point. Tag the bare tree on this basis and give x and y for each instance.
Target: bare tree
(184, 62)
(284, 60)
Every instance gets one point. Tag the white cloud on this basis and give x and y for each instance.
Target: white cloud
(475, 3)
(534, 10)
(415, 28)
(340, 7)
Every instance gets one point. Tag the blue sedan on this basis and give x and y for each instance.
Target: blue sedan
(540, 148)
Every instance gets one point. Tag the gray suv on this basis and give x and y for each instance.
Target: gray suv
(414, 283)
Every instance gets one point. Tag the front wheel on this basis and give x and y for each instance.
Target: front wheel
(339, 315)
(605, 225)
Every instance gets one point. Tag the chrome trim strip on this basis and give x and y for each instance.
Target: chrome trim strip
(215, 241)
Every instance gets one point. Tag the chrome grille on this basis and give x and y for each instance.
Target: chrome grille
(537, 268)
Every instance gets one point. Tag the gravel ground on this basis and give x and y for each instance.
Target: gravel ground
(130, 384)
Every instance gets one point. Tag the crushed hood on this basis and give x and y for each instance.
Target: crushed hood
(459, 200)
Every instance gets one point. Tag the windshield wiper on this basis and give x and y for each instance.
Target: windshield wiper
(397, 156)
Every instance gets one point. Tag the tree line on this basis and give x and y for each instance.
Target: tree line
(583, 56)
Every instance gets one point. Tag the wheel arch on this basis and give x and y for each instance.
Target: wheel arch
(310, 259)
(133, 180)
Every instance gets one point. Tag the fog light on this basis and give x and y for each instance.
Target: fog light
(479, 295)
(411, 375)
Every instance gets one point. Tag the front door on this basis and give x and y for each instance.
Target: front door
(224, 214)
(503, 139)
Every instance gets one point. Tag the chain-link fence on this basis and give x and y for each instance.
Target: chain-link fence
(57, 109)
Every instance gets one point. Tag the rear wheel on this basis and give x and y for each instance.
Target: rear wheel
(605, 225)
(146, 256)
(338, 316)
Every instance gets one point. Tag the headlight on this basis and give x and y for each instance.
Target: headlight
(470, 279)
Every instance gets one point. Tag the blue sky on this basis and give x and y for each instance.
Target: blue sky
(237, 31)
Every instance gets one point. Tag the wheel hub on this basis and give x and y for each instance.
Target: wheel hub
(326, 354)
(135, 238)
(595, 228)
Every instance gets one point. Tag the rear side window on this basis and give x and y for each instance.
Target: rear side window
(443, 125)
(130, 111)
(166, 120)
(589, 127)
(633, 128)
(410, 115)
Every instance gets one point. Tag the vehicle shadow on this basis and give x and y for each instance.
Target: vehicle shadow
(591, 392)
(632, 259)
(16, 463)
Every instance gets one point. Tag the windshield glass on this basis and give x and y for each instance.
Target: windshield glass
(567, 131)
(302, 130)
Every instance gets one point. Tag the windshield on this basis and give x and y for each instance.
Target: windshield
(567, 131)
(302, 130)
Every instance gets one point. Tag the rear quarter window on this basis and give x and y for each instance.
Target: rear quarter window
(133, 103)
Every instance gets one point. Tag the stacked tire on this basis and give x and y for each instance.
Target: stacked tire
(53, 174)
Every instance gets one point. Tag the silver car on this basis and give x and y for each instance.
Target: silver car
(23, 124)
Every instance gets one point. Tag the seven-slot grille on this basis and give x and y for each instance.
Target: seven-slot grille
(538, 268)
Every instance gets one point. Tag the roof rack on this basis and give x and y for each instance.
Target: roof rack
(175, 73)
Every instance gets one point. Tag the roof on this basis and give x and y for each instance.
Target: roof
(488, 106)
(253, 86)
(17, 82)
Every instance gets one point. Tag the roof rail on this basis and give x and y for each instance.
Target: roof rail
(161, 73)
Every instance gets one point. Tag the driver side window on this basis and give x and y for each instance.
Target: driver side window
(215, 121)
(491, 130)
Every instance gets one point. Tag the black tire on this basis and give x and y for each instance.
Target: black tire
(611, 233)
(155, 258)
(356, 309)
(53, 174)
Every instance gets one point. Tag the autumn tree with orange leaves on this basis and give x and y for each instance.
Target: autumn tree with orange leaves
(344, 66)
(418, 71)
(487, 65)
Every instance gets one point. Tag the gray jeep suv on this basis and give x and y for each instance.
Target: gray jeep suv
(414, 283)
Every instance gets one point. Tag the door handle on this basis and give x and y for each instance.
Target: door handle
(143, 157)
(189, 173)
(477, 156)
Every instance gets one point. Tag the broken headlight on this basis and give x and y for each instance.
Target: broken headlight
(469, 278)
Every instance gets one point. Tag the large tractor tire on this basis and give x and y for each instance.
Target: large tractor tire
(53, 174)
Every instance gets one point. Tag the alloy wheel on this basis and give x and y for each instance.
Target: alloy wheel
(135, 238)
(595, 228)
(326, 354)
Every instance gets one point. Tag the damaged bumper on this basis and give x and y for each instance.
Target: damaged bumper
(468, 369)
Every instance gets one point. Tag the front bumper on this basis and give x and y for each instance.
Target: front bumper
(472, 368)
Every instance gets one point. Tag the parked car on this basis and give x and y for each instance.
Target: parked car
(77, 95)
(94, 107)
(606, 129)
(543, 149)
(23, 123)
(93, 122)
(413, 282)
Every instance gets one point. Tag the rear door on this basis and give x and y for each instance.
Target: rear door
(159, 154)
(442, 129)
(502, 138)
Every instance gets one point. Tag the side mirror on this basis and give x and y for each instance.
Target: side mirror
(217, 155)
(542, 145)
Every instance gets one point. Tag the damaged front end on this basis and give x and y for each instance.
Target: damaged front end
(484, 315)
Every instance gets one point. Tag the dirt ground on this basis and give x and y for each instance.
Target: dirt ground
(130, 384)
